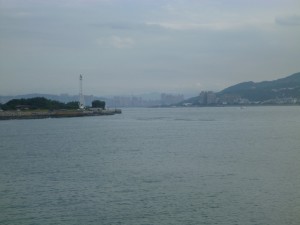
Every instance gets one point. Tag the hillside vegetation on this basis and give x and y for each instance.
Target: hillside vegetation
(38, 103)
(288, 87)
(277, 92)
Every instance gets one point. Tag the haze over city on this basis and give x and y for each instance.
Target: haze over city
(133, 47)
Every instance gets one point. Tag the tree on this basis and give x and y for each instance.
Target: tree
(38, 103)
(72, 105)
(98, 104)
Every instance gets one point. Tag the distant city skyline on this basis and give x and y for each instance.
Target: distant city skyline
(142, 46)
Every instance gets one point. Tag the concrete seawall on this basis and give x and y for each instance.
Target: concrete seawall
(10, 115)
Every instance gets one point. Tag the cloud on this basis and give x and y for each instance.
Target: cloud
(115, 42)
(197, 26)
(19, 15)
(121, 42)
(118, 25)
(293, 20)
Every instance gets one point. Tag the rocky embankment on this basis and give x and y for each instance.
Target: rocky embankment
(35, 114)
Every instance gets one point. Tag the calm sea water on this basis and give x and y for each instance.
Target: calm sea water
(153, 166)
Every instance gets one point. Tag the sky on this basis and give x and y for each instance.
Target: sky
(142, 46)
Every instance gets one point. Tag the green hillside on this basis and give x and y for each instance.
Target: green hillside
(38, 103)
(282, 91)
(288, 87)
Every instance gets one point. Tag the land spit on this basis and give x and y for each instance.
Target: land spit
(40, 114)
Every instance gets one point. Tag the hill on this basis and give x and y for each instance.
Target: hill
(288, 87)
(281, 91)
(38, 103)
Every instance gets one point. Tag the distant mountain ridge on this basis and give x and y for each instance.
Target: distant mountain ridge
(142, 100)
(288, 87)
(281, 91)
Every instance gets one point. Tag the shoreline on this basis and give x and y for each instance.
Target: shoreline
(15, 115)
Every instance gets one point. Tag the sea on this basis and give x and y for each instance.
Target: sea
(176, 166)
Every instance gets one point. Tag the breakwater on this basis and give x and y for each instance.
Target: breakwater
(37, 114)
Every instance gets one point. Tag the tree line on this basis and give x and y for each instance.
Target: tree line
(44, 103)
(38, 103)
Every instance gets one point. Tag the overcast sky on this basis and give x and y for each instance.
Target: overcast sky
(140, 46)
